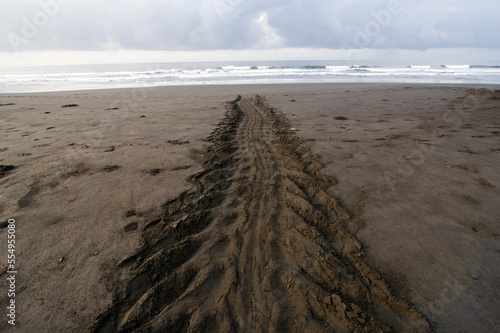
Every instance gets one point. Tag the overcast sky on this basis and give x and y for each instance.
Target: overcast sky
(260, 28)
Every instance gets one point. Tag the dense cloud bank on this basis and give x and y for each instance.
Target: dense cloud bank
(186, 25)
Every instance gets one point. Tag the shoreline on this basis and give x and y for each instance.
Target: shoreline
(495, 86)
(415, 166)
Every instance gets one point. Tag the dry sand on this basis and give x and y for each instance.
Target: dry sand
(415, 167)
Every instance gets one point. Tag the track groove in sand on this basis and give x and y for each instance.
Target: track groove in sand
(256, 245)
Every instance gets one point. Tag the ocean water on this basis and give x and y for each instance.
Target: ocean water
(63, 78)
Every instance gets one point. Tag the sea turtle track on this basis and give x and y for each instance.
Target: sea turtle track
(256, 245)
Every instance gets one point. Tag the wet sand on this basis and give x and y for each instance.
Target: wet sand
(390, 186)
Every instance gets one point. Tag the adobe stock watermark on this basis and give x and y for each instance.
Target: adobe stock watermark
(455, 115)
(223, 7)
(364, 36)
(125, 105)
(11, 271)
(448, 295)
(31, 26)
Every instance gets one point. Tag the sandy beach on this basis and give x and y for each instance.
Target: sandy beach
(299, 207)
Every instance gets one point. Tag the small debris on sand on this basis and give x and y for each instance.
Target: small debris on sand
(131, 227)
(154, 172)
(182, 167)
(131, 212)
(5, 168)
(177, 142)
(109, 168)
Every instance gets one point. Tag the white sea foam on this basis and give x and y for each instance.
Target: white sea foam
(151, 75)
(457, 66)
(421, 66)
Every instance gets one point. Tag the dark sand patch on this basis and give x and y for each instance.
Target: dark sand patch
(182, 167)
(111, 168)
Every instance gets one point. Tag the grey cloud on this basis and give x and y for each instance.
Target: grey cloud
(240, 24)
